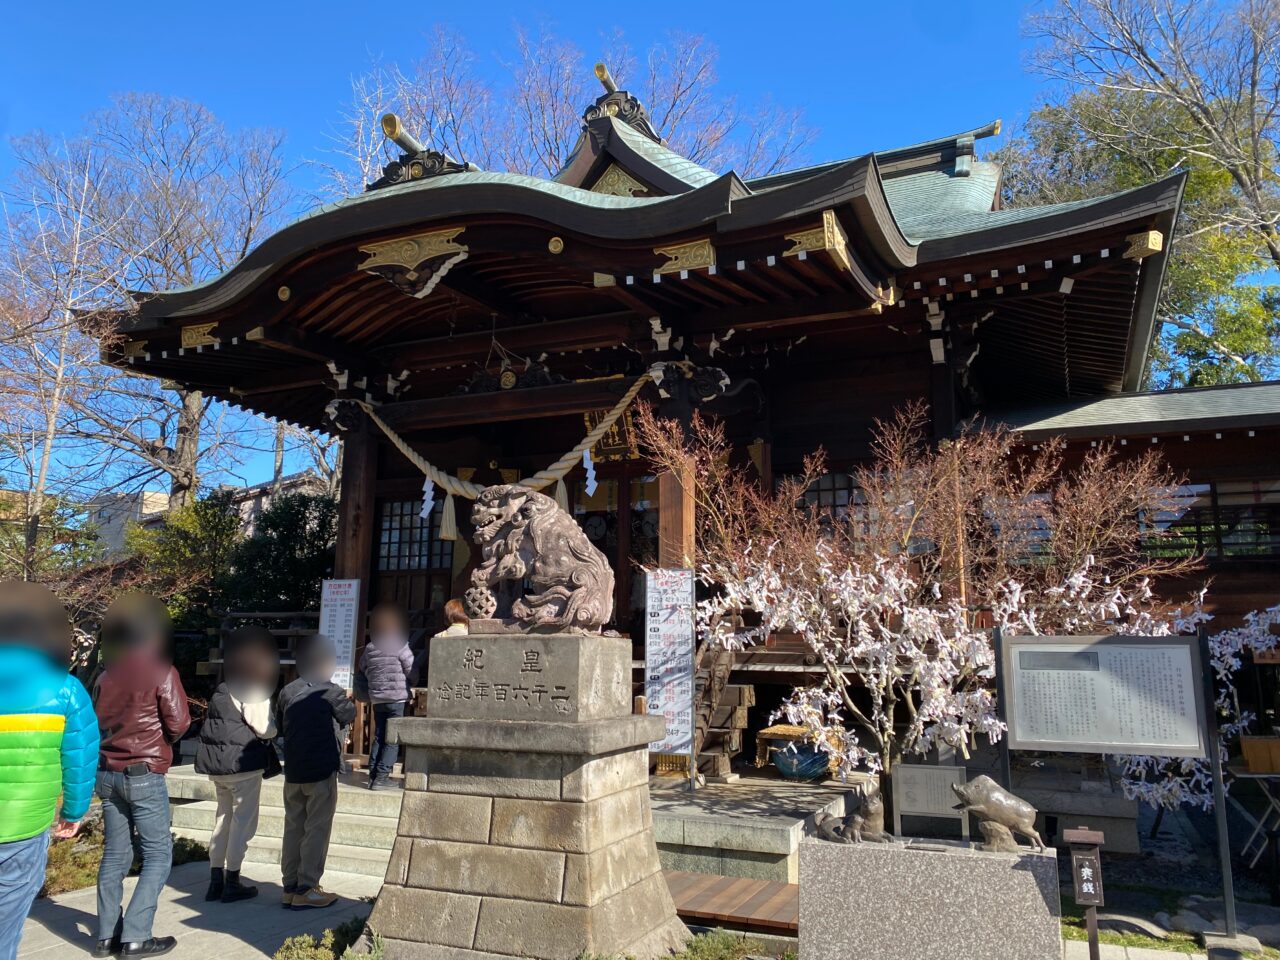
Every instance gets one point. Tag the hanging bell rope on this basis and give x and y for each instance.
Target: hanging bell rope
(543, 478)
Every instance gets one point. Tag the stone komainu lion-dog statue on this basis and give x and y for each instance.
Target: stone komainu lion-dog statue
(525, 537)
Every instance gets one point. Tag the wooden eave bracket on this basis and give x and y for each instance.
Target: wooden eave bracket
(683, 257)
(1143, 244)
(197, 335)
(417, 263)
(829, 238)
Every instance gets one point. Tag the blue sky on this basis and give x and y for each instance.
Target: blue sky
(868, 75)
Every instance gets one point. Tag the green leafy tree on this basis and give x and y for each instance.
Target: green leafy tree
(1218, 315)
(65, 542)
(281, 565)
(190, 553)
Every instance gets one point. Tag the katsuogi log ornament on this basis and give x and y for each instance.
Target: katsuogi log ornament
(997, 808)
(526, 539)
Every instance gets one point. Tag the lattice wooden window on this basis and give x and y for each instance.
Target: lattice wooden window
(407, 542)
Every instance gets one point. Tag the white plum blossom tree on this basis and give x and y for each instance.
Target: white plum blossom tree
(871, 630)
(894, 597)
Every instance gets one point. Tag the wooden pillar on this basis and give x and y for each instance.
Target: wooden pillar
(676, 518)
(356, 507)
(942, 400)
(353, 553)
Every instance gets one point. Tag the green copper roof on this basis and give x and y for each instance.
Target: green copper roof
(664, 157)
(549, 187)
(927, 203)
(1198, 408)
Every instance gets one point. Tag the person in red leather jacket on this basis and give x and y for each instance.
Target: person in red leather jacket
(142, 711)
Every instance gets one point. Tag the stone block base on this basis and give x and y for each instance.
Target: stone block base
(927, 901)
(527, 837)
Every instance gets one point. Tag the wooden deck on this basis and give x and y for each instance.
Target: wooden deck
(761, 905)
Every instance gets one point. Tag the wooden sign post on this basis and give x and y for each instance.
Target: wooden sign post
(1086, 871)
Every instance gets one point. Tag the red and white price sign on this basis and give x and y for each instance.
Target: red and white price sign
(339, 622)
(668, 656)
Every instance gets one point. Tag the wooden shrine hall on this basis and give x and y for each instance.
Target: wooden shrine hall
(491, 320)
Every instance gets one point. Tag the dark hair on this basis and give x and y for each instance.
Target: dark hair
(313, 649)
(135, 620)
(251, 652)
(247, 638)
(388, 609)
(31, 616)
(454, 613)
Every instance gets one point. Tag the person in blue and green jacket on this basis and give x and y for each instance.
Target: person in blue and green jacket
(48, 747)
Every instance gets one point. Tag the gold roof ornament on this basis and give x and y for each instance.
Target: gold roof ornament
(695, 255)
(828, 237)
(1144, 244)
(616, 182)
(197, 335)
(415, 264)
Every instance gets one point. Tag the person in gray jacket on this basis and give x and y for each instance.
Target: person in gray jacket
(386, 664)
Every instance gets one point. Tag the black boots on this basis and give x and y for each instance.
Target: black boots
(227, 886)
(215, 884)
(235, 890)
(154, 947)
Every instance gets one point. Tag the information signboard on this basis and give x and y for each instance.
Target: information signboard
(1111, 694)
(668, 656)
(925, 791)
(340, 623)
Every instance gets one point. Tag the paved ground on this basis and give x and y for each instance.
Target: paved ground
(250, 929)
(1079, 950)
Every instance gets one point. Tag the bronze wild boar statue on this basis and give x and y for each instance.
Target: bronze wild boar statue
(989, 801)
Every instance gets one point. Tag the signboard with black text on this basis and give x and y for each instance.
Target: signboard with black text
(1111, 694)
(669, 640)
(340, 622)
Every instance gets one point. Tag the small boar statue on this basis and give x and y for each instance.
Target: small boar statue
(863, 825)
(992, 803)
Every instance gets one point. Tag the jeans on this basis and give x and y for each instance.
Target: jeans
(132, 804)
(21, 877)
(382, 755)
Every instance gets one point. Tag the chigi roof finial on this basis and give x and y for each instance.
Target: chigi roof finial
(417, 161)
(620, 105)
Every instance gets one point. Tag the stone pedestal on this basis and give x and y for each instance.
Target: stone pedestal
(525, 829)
(927, 901)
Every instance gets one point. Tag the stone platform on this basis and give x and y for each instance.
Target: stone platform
(934, 900)
(749, 828)
(525, 828)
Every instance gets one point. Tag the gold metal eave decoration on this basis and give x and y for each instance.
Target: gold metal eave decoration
(829, 238)
(197, 335)
(696, 255)
(408, 252)
(1144, 244)
(616, 182)
(133, 349)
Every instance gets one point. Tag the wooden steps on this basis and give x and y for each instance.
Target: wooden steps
(765, 906)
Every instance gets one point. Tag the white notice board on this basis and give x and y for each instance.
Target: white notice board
(340, 624)
(668, 656)
(1112, 694)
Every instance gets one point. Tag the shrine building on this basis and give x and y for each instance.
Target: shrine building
(489, 321)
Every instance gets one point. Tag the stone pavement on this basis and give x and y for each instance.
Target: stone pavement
(250, 929)
(1079, 950)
